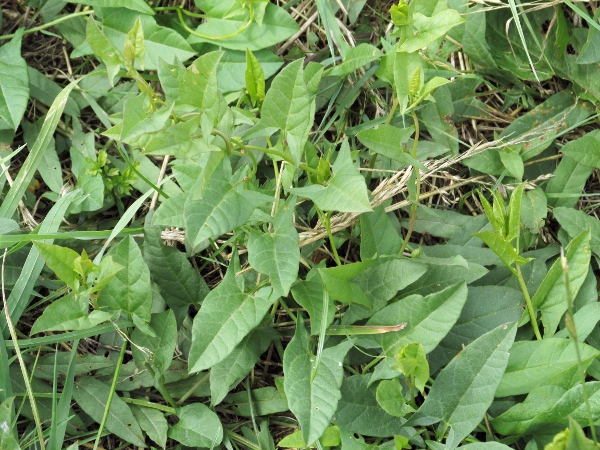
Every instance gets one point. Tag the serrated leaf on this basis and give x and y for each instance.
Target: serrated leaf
(91, 395)
(198, 426)
(549, 361)
(464, 389)
(62, 262)
(227, 315)
(287, 108)
(346, 191)
(153, 422)
(129, 290)
(428, 29)
(551, 296)
(585, 150)
(224, 375)
(354, 59)
(428, 319)
(217, 207)
(277, 254)
(255, 78)
(14, 81)
(313, 400)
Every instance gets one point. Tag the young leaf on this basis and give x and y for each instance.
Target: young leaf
(313, 399)
(227, 315)
(464, 389)
(346, 191)
(198, 426)
(497, 225)
(428, 29)
(255, 78)
(61, 260)
(390, 398)
(427, 89)
(549, 361)
(287, 107)
(130, 289)
(135, 50)
(14, 82)
(514, 214)
(330, 438)
(500, 246)
(277, 254)
(91, 395)
(104, 49)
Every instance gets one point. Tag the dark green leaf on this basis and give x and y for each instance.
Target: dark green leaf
(14, 82)
(198, 426)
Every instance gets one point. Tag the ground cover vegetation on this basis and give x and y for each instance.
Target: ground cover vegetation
(342, 224)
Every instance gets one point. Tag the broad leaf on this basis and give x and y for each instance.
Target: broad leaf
(567, 183)
(464, 389)
(277, 254)
(309, 294)
(161, 346)
(501, 247)
(312, 385)
(8, 437)
(227, 315)
(428, 29)
(198, 426)
(104, 49)
(14, 82)
(575, 222)
(346, 191)
(549, 361)
(378, 235)
(135, 5)
(91, 395)
(354, 59)
(389, 141)
(62, 262)
(585, 150)
(129, 290)
(153, 422)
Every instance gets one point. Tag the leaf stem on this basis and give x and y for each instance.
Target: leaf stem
(530, 309)
(50, 24)
(413, 206)
(326, 219)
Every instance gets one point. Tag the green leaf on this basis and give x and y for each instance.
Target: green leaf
(277, 26)
(435, 116)
(198, 426)
(548, 407)
(134, 50)
(169, 267)
(312, 385)
(104, 49)
(135, 5)
(330, 438)
(50, 168)
(585, 150)
(512, 161)
(161, 345)
(534, 210)
(464, 389)
(388, 141)
(153, 422)
(505, 251)
(427, 89)
(255, 78)
(61, 260)
(7, 435)
(14, 82)
(160, 42)
(129, 290)
(69, 313)
(337, 282)
(567, 183)
(227, 315)
(390, 398)
(354, 59)
(551, 296)
(346, 191)
(378, 235)
(226, 374)
(358, 411)
(309, 294)
(428, 319)
(277, 254)
(259, 402)
(549, 361)
(91, 395)
(232, 69)
(575, 222)
(287, 106)
(514, 214)
(428, 29)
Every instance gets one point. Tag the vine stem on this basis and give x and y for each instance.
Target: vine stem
(530, 309)
(50, 24)
(413, 206)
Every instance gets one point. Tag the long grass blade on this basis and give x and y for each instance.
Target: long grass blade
(515, 14)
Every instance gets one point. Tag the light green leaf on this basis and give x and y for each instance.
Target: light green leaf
(91, 395)
(378, 235)
(265, 401)
(104, 49)
(277, 254)
(505, 251)
(255, 78)
(129, 290)
(7, 435)
(227, 315)
(513, 162)
(330, 438)
(428, 319)
(337, 282)
(198, 426)
(170, 267)
(61, 260)
(354, 59)
(549, 407)
(216, 207)
(585, 150)
(485, 446)
(14, 82)
(135, 5)
(429, 29)
(390, 398)
(388, 140)
(287, 106)
(313, 399)
(134, 50)
(534, 210)
(549, 361)
(428, 88)
(346, 191)
(232, 68)
(153, 422)
(514, 214)
(464, 389)
(226, 374)
(277, 26)
(309, 294)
